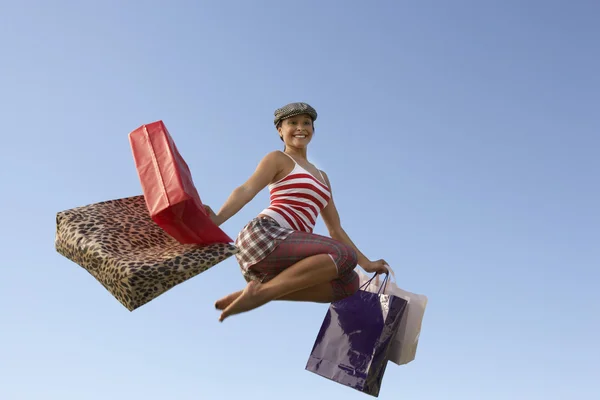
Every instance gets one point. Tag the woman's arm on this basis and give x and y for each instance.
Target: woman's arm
(266, 170)
(333, 223)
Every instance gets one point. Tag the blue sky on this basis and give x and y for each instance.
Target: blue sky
(461, 139)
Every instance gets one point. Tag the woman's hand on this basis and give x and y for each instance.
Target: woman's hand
(213, 217)
(379, 267)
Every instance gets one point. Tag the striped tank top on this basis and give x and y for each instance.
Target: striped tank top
(297, 199)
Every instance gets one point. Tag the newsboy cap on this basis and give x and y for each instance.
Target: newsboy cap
(293, 109)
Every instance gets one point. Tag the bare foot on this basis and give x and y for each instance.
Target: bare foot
(227, 300)
(248, 300)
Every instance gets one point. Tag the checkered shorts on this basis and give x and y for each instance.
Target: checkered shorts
(266, 249)
(258, 239)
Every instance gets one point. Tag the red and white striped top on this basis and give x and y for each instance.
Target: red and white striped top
(298, 199)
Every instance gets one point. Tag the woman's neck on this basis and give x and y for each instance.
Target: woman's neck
(299, 153)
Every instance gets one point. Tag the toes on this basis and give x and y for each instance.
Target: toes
(223, 316)
(226, 312)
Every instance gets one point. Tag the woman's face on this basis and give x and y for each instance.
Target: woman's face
(296, 131)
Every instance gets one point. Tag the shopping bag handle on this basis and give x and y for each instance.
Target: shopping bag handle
(383, 286)
(390, 270)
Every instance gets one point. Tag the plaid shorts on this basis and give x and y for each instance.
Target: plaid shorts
(258, 239)
(266, 249)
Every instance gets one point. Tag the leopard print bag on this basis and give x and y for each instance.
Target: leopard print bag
(117, 242)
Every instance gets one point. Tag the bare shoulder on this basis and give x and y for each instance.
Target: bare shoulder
(326, 177)
(273, 156)
(266, 171)
(277, 163)
(273, 160)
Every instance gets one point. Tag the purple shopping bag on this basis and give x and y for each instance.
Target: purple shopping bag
(355, 337)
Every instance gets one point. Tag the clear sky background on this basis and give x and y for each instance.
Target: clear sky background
(461, 139)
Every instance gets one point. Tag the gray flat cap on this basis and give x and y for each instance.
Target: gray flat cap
(293, 109)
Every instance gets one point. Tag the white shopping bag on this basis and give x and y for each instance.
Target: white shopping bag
(404, 346)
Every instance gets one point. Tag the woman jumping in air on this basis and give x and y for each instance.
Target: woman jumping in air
(280, 257)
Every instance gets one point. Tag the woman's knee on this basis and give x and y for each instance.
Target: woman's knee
(345, 286)
(348, 259)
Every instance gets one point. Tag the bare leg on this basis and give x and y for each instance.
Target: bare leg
(306, 273)
(321, 293)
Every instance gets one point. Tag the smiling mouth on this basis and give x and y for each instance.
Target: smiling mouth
(300, 136)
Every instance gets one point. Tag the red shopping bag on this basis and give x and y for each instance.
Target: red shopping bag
(169, 191)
